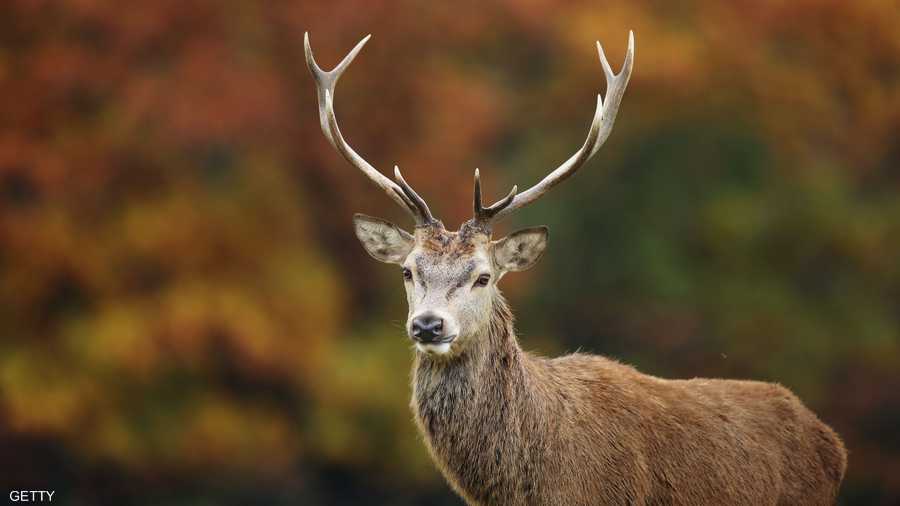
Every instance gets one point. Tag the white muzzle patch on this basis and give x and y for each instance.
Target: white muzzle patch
(434, 349)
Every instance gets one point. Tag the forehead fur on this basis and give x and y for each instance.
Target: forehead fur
(470, 237)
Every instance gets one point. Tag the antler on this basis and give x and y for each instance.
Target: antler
(400, 191)
(601, 126)
(488, 213)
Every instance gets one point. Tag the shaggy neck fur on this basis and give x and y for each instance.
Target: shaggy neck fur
(474, 409)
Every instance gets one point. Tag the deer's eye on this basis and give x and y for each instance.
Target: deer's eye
(483, 280)
(407, 274)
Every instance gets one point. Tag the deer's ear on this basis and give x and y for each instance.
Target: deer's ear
(520, 250)
(383, 240)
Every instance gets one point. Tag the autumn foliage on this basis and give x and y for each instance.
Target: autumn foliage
(186, 318)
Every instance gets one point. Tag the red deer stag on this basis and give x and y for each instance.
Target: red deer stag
(506, 427)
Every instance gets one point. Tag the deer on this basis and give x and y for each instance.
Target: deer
(508, 427)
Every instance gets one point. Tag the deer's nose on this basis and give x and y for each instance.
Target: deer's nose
(427, 328)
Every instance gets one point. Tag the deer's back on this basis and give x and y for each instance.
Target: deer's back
(701, 441)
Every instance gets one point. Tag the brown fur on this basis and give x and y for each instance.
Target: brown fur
(508, 428)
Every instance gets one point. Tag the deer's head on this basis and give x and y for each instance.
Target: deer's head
(451, 277)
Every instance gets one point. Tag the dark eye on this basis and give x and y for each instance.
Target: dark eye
(407, 274)
(483, 280)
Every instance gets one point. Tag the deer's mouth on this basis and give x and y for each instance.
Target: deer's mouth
(439, 347)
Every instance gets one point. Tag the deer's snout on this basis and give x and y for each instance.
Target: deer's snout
(427, 328)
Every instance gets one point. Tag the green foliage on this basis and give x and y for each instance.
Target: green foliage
(185, 315)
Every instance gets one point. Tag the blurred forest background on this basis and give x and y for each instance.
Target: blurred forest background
(186, 316)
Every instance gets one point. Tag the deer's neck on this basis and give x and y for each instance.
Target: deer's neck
(489, 369)
(474, 410)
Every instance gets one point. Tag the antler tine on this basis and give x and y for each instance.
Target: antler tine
(601, 127)
(487, 213)
(411, 195)
(325, 85)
